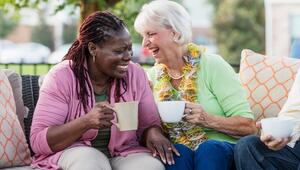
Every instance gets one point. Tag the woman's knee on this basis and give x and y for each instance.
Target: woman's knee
(134, 161)
(215, 149)
(83, 158)
(184, 161)
(185, 152)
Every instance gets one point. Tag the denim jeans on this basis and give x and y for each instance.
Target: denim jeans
(251, 153)
(210, 155)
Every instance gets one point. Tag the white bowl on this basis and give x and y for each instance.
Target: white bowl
(171, 111)
(278, 127)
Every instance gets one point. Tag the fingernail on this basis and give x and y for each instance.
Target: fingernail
(169, 162)
(164, 161)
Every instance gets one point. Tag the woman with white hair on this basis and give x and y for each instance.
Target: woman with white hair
(216, 111)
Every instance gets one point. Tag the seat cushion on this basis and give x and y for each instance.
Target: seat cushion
(267, 81)
(13, 147)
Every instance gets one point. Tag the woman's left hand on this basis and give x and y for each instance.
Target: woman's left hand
(160, 145)
(194, 113)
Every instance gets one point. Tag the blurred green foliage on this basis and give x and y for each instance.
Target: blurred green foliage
(125, 9)
(238, 24)
(6, 24)
(128, 10)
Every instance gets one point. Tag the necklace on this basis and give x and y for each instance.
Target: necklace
(187, 89)
(175, 77)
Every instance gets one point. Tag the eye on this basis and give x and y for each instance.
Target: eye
(118, 51)
(130, 48)
(151, 34)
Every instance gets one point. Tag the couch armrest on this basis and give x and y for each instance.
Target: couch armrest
(30, 90)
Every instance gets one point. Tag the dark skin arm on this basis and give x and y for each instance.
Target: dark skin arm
(158, 144)
(63, 136)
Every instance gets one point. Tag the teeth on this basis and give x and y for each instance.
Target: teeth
(123, 67)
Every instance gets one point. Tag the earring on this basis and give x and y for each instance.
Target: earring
(94, 58)
(175, 40)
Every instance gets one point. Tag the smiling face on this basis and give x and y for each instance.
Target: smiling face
(112, 57)
(160, 42)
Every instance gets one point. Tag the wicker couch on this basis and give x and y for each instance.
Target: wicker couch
(30, 90)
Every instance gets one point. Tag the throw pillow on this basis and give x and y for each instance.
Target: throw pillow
(267, 81)
(13, 147)
(15, 81)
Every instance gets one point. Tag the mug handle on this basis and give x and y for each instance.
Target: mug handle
(117, 122)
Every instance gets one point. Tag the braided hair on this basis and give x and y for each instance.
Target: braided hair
(96, 28)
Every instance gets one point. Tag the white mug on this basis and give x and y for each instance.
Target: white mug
(278, 127)
(171, 111)
(127, 115)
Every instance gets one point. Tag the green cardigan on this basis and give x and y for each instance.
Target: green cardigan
(220, 92)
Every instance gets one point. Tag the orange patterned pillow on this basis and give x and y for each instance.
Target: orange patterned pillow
(267, 81)
(13, 147)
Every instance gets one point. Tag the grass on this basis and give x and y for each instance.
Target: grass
(33, 69)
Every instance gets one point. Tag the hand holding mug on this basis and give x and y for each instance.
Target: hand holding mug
(271, 142)
(195, 113)
(100, 116)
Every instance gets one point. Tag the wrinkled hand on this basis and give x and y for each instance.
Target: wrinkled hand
(194, 113)
(160, 145)
(271, 142)
(100, 116)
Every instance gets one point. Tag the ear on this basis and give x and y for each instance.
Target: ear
(92, 48)
(176, 36)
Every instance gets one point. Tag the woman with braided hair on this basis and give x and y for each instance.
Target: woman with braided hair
(72, 124)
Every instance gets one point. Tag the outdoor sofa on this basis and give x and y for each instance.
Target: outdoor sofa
(267, 81)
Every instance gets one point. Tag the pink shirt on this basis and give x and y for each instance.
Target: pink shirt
(58, 102)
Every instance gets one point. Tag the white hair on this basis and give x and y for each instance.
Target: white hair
(168, 14)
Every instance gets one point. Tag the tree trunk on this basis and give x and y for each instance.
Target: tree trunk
(87, 7)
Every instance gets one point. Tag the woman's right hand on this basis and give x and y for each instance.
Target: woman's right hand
(100, 116)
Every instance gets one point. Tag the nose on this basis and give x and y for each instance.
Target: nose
(145, 42)
(128, 55)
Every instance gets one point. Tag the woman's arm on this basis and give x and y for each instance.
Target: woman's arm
(236, 126)
(220, 79)
(62, 136)
(49, 131)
